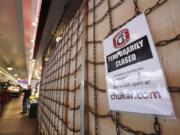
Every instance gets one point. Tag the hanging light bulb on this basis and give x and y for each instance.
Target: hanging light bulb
(58, 39)
(9, 68)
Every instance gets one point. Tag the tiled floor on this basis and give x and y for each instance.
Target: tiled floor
(14, 123)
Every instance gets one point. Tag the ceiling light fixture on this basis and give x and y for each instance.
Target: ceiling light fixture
(46, 59)
(58, 39)
(9, 68)
(7, 75)
(34, 24)
(15, 75)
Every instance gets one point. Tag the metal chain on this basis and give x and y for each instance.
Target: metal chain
(61, 80)
(111, 30)
(62, 104)
(128, 129)
(94, 69)
(58, 87)
(110, 16)
(62, 120)
(137, 12)
(54, 94)
(51, 74)
(50, 104)
(158, 3)
(166, 42)
(75, 76)
(136, 8)
(174, 89)
(58, 99)
(96, 6)
(117, 124)
(67, 79)
(147, 11)
(49, 78)
(157, 127)
(69, 65)
(115, 120)
(106, 14)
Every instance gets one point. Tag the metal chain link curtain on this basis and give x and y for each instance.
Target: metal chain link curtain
(59, 101)
(102, 21)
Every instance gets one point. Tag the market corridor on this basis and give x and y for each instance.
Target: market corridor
(14, 123)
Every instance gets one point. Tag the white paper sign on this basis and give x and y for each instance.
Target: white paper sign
(135, 80)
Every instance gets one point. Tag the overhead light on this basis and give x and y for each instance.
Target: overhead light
(47, 58)
(34, 24)
(15, 75)
(58, 39)
(32, 40)
(9, 68)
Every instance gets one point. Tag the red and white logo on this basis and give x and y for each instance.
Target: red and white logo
(121, 38)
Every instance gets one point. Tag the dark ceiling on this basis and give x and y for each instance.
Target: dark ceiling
(50, 15)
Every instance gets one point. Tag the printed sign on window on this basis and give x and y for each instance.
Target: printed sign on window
(134, 76)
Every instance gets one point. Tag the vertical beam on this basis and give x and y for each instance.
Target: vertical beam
(83, 90)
